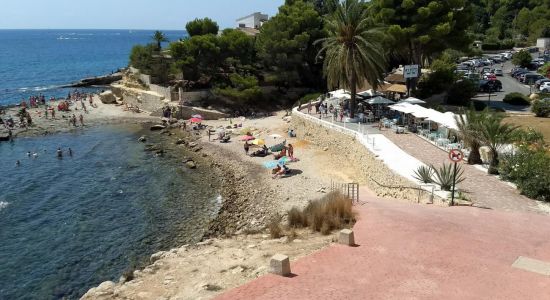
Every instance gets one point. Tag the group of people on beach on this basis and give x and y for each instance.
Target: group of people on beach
(74, 101)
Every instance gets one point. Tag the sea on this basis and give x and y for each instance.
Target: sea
(68, 224)
(42, 61)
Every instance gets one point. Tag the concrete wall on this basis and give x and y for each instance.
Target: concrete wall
(375, 174)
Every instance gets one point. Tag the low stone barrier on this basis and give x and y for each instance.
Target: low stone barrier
(375, 174)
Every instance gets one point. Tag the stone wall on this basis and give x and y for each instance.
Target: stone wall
(162, 90)
(375, 174)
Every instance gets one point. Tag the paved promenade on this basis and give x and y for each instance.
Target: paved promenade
(483, 189)
(409, 251)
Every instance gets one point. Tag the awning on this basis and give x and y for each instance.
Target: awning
(397, 88)
(412, 100)
(379, 100)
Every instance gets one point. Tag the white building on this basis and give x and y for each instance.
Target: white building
(543, 43)
(254, 20)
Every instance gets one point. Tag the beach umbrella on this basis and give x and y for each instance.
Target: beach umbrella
(247, 138)
(258, 142)
(195, 120)
(197, 116)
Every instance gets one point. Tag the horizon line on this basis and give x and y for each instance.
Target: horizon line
(141, 29)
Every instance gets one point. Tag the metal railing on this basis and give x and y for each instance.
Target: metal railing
(351, 190)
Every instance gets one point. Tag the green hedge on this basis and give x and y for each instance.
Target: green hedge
(501, 45)
(516, 99)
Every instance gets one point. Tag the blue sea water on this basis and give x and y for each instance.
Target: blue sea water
(40, 61)
(68, 224)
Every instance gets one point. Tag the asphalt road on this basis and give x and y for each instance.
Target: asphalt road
(509, 85)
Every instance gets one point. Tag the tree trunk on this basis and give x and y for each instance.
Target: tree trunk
(158, 46)
(474, 158)
(493, 166)
(353, 90)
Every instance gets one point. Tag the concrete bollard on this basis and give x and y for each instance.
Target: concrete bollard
(346, 237)
(280, 265)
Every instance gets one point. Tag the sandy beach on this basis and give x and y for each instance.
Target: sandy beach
(100, 114)
(238, 246)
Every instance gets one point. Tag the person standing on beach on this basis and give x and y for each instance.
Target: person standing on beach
(208, 132)
(81, 118)
(246, 147)
(309, 108)
(46, 112)
(53, 113)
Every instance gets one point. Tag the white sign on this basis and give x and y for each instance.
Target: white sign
(410, 71)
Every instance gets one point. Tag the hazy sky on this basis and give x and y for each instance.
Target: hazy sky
(125, 14)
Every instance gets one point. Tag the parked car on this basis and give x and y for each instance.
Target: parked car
(498, 72)
(539, 82)
(490, 86)
(518, 74)
(545, 87)
(530, 78)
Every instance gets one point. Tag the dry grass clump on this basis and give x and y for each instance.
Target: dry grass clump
(275, 229)
(334, 211)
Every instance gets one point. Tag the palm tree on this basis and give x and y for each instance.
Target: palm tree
(159, 37)
(494, 134)
(468, 123)
(351, 51)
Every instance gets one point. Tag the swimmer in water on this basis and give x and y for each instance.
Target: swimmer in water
(70, 152)
(34, 155)
(28, 153)
(18, 163)
(59, 153)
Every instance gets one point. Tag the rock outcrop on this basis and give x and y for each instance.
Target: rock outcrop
(107, 97)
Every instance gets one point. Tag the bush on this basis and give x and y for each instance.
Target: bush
(479, 105)
(309, 97)
(461, 92)
(516, 99)
(334, 211)
(444, 176)
(274, 226)
(529, 169)
(541, 108)
(424, 174)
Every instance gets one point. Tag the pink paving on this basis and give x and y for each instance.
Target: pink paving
(409, 251)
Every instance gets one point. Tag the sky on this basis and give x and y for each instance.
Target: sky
(126, 14)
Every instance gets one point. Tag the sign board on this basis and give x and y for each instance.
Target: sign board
(456, 155)
(410, 71)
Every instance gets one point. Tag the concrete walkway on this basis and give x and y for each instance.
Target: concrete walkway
(409, 251)
(483, 189)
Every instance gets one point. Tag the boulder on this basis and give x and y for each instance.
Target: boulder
(107, 97)
(157, 127)
(191, 164)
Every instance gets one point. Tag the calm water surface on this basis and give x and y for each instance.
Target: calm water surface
(69, 224)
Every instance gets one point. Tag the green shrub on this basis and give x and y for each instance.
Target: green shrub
(309, 97)
(444, 176)
(541, 108)
(479, 105)
(461, 92)
(516, 99)
(424, 174)
(529, 169)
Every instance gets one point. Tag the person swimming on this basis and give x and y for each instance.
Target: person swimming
(59, 153)
(70, 152)
(17, 163)
(28, 153)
